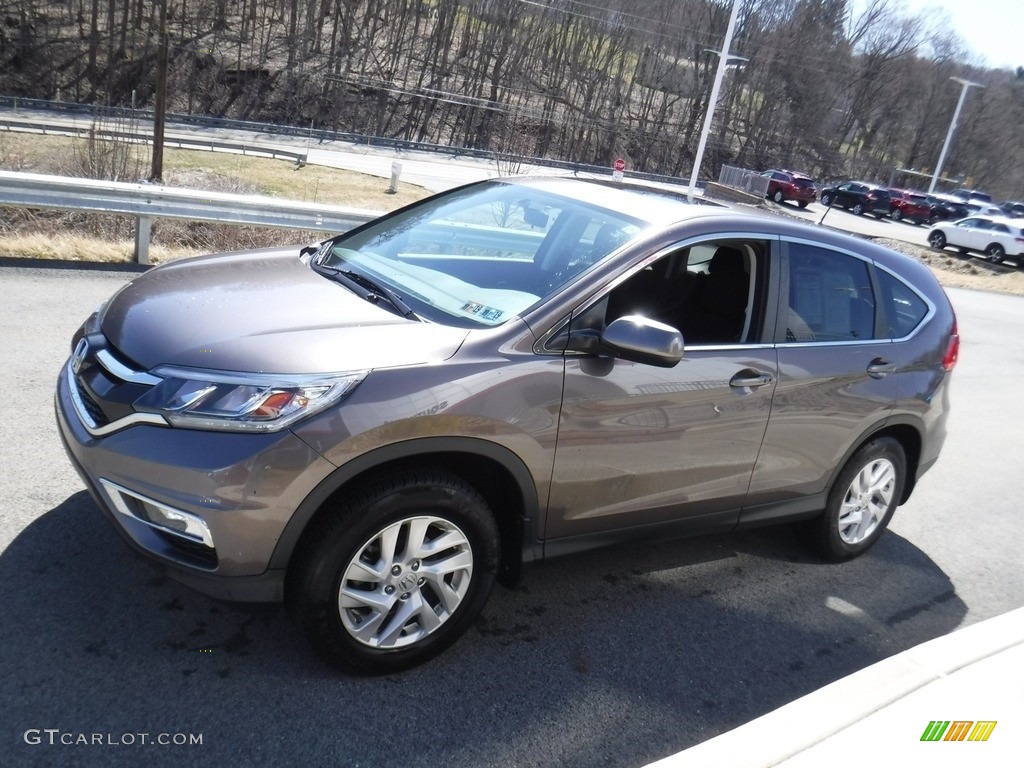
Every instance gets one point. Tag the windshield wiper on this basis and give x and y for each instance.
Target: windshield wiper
(370, 290)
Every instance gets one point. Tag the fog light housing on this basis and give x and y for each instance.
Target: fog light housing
(157, 515)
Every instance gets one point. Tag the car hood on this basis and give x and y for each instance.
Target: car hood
(263, 312)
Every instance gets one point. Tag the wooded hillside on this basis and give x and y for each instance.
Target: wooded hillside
(824, 91)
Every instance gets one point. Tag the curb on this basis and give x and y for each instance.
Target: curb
(796, 727)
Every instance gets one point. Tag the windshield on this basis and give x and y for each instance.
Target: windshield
(481, 254)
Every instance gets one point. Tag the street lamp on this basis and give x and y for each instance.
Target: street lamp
(723, 64)
(952, 126)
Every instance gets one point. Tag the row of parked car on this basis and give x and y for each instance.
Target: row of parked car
(964, 219)
(908, 205)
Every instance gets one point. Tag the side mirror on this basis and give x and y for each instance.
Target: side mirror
(634, 338)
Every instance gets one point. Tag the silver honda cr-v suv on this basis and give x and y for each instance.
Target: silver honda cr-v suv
(378, 428)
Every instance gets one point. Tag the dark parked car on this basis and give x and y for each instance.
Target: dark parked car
(378, 428)
(946, 208)
(858, 197)
(789, 185)
(908, 205)
(1014, 208)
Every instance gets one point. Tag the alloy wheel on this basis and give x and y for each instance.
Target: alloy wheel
(867, 500)
(405, 582)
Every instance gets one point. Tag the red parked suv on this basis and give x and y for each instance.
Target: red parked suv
(910, 206)
(788, 185)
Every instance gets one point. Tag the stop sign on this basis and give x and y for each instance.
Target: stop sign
(620, 164)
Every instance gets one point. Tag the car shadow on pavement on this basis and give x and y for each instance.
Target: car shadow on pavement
(617, 657)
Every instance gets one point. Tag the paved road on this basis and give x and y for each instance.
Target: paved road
(616, 658)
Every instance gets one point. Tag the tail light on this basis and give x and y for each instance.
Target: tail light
(952, 348)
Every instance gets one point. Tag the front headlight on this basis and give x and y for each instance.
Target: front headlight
(202, 399)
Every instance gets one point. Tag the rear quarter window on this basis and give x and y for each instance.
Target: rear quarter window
(904, 309)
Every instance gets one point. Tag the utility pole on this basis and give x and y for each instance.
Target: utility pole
(160, 105)
(723, 63)
(952, 127)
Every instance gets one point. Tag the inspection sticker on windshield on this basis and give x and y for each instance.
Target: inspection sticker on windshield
(485, 313)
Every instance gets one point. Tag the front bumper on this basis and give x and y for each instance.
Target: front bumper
(207, 508)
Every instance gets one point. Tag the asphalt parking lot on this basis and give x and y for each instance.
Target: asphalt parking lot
(616, 658)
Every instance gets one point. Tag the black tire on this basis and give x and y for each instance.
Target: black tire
(858, 209)
(937, 240)
(802, 203)
(856, 516)
(995, 253)
(778, 197)
(826, 199)
(896, 214)
(412, 505)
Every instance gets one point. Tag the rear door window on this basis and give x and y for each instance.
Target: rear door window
(830, 298)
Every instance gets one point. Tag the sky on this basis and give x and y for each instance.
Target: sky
(992, 29)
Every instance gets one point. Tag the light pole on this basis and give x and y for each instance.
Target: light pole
(723, 63)
(160, 102)
(965, 84)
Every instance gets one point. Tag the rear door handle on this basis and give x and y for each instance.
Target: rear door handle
(880, 367)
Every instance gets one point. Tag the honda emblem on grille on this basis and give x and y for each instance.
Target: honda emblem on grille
(78, 356)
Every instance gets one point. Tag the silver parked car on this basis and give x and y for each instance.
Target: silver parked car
(378, 428)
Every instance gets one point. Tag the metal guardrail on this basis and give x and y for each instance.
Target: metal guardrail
(182, 142)
(148, 201)
(741, 178)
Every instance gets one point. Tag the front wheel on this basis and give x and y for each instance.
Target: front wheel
(778, 196)
(397, 573)
(857, 209)
(937, 240)
(896, 214)
(995, 253)
(861, 502)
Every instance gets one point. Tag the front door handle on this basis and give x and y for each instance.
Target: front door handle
(750, 379)
(880, 367)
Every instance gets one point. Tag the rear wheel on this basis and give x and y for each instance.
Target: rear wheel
(937, 240)
(861, 501)
(995, 253)
(397, 573)
(802, 203)
(826, 199)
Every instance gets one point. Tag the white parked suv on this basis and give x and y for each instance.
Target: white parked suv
(994, 236)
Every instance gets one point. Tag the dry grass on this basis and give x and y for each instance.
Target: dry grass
(48, 235)
(69, 247)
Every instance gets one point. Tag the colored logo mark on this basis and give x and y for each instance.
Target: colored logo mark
(958, 730)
